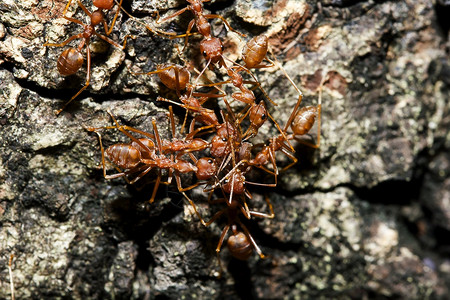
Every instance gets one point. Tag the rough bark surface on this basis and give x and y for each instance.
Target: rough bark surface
(367, 215)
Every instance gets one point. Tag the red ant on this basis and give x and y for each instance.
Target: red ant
(142, 155)
(240, 243)
(258, 112)
(255, 51)
(176, 77)
(301, 121)
(211, 47)
(101, 5)
(71, 59)
(200, 21)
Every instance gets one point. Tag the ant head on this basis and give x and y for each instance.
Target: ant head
(69, 62)
(219, 146)
(103, 4)
(226, 129)
(207, 168)
(169, 77)
(97, 17)
(236, 182)
(212, 49)
(240, 246)
(258, 115)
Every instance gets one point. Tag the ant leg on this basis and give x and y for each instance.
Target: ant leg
(110, 41)
(258, 250)
(182, 189)
(210, 16)
(157, 137)
(101, 148)
(109, 30)
(155, 188)
(142, 174)
(219, 247)
(244, 209)
(184, 122)
(73, 37)
(173, 15)
(155, 31)
(216, 216)
(74, 20)
(263, 184)
(171, 121)
(84, 8)
(192, 133)
(198, 77)
(188, 31)
(126, 173)
(124, 128)
(264, 215)
(291, 156)
(319, 111)
(187, 107)
(215, 83)
(66, 8)
(195, 208)
(154, 72)
(208, 95)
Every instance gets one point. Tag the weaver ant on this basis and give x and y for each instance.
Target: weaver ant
(258, 113)
(301, 121)
(101, 5)
(240, 243)
(200, 20)
(142, 155)
(174, 76)
(255, 51)
(71, 59)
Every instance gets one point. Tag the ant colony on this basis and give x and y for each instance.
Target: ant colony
(215, 145)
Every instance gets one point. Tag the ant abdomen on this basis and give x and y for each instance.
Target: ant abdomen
(124, 155)
(255, 50)
(239, 246)
(145, 153)
(212, 49)
(169, 77)
(304, 120)
(103, 4)
(70, 61)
